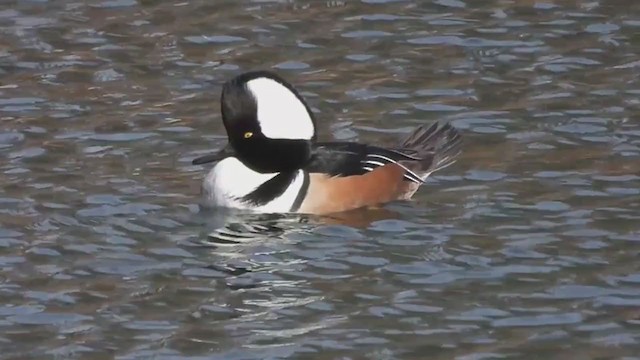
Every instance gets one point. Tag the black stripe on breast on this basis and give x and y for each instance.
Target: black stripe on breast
(302, 193)
(270, 189)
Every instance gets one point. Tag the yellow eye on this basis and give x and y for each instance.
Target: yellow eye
(248, 134)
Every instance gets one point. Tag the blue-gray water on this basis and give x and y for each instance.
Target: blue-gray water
(527, 248)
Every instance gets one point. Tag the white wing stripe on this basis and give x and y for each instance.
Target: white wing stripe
(373, 162)
(410, 175)
(382, 157)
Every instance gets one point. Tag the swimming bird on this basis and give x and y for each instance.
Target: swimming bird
(273, 162)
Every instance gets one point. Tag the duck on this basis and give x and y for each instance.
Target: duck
(274, 163)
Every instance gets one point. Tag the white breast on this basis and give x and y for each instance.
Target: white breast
(230, 180)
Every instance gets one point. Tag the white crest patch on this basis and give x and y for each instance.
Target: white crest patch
(280, 113)
(230, 180)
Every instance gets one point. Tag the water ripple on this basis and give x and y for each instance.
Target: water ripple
(527, 245)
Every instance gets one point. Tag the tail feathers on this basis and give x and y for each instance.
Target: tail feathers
(435, 147)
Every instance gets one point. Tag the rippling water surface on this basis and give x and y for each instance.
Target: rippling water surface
(528, 247)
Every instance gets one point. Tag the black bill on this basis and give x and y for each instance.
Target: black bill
(225, 152)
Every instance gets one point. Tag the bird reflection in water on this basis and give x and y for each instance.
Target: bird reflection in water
(236, 235)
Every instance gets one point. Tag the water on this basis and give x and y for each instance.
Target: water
(526, 248)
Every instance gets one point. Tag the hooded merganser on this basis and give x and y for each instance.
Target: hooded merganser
(274, 164)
